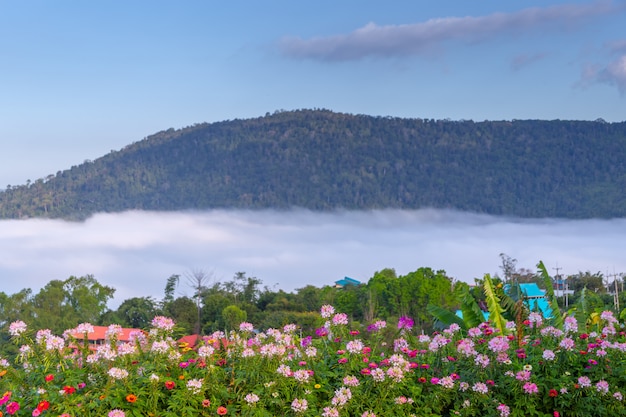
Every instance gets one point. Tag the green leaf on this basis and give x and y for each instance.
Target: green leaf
(472, 313)
(443, 317)
(493, 304)
(557, 317)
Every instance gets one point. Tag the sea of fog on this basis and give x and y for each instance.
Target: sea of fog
(135, 252)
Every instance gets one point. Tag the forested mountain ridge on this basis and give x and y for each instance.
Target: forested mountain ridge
(322, 160)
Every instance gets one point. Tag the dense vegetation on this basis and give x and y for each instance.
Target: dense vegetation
(322, 160)
(201, 305)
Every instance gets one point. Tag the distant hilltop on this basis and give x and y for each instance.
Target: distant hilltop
(323, 160)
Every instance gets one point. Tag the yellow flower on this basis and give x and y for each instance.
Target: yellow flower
(317, 386)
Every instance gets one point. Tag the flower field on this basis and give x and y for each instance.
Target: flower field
(384, 369)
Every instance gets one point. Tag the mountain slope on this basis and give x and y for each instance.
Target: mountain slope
(322, 160)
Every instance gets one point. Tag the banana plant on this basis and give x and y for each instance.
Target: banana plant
(557, 317)
(501, 308)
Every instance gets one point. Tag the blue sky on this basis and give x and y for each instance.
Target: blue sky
(79, 79)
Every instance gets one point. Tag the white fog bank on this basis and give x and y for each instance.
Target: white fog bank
(135, 252)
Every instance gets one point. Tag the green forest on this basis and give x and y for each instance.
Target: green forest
(210, 306)
(323, 160)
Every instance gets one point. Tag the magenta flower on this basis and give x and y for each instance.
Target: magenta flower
(321, 332)
(405, 322)
(13, 407)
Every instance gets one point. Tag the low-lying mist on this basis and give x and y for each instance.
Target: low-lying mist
(135, 252)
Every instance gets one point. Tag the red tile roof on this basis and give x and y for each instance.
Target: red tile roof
(99, 333)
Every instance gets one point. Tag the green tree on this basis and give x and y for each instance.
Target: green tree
(137, 312)
(593, 282)
(233, 317)
(183, 311)
(17, 306)
(51, 309)
(87, 298)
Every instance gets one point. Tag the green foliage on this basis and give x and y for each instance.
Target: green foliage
(557, 317)
(233, 317)
(496, 312)
(472, 313)
(321, 160)
(137, 312)
(444, 318)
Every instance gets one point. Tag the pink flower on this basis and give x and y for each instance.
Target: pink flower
(299, 405)
(504, 410)
(327, 311)
(530, 388)
(13, 407)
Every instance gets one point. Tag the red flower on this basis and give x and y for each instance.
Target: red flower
(170, 384)
(553, 393)
(43, 406)
(222, 411)
(131, 398)
(49, 377)
(69, 390)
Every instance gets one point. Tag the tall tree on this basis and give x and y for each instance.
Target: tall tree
(87, 298)
(137, 312)
(198, 280)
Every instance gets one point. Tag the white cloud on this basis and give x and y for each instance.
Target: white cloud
(418, 38)
(615, 74)
(523, 60)
(135, 252)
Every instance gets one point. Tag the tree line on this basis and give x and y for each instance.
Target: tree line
(201, 305)
(322, 160)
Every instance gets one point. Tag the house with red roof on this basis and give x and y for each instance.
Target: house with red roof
(99, 336)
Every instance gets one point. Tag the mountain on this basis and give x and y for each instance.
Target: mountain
(323, 160)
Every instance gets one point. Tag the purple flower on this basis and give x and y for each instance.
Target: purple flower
(306, 341)
(405, 322)
(321, 332)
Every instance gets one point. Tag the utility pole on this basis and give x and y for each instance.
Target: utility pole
(616, 293)
(560, 283)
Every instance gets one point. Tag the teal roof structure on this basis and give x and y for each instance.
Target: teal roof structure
(535, 299)
(347, 281)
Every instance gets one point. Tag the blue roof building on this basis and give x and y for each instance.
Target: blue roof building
(346, 281)
(535, 298)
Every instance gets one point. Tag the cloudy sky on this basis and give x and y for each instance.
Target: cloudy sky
(79, 79)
